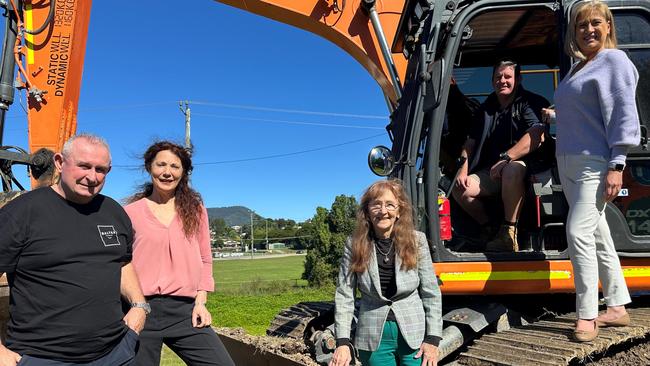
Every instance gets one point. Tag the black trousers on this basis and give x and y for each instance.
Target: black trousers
(170, 322)
(122, 355)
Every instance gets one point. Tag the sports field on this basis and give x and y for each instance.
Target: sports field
(249, 293)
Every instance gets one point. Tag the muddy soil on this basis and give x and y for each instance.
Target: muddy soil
(290, 348)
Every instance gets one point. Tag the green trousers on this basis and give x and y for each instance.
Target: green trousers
(392, 351)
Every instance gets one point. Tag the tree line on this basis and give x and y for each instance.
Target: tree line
(323, 236)
(279, 230)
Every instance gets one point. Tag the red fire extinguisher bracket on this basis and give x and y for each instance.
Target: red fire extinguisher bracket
(444, 214)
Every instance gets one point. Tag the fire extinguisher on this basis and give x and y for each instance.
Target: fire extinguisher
(444, 214)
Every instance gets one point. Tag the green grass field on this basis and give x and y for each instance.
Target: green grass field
(249, 293)
(237, 275)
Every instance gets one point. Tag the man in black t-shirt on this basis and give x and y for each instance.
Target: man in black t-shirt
(66, 250)
(506, 130)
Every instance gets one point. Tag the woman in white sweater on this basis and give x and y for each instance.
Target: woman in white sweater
(597, 122)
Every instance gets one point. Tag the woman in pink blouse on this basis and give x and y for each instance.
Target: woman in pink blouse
(171, 254)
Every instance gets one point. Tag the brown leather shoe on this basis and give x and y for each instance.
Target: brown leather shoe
(621, 321)
(505, 240)
(586, 335)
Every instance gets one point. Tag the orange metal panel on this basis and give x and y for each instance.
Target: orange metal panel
(348, 28)
(54, 60)
(497, 278)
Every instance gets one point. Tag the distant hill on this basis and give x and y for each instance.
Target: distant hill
(234, 215)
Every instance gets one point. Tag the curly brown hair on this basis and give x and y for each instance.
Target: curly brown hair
(188, 202)
(403, 231)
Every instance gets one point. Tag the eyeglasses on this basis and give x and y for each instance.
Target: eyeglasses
(378, 206)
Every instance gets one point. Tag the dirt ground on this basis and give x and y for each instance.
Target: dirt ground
(635, 354)
(290, 348)
(632, 354)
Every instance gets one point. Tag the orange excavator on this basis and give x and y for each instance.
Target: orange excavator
(45, 41)
(421, 53)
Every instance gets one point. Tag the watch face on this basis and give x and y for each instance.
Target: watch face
(617, 167)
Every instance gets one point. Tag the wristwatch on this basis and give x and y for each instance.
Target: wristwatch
(142, 305)
(505, 157)
(616, 167)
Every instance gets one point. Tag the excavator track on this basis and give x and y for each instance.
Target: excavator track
(296, 321)
(548, 342)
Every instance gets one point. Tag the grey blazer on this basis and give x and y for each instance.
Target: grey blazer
(417, 303)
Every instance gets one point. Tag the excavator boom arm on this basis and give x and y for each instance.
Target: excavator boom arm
(347, 24)
(48, 52)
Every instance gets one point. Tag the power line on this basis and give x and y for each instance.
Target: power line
(271, 156)
(223, 105)
(98, 109)
(291, 153)
(235, 106)
(288, 122)
(126, 106)
(282, 110)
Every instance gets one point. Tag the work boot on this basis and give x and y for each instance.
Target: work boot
(505, 241)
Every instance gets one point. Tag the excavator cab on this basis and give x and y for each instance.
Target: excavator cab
(450, 55)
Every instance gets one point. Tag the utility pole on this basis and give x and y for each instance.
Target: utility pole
(267, 233)
(186, 112)
(252, 236)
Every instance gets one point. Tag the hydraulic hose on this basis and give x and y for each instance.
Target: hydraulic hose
(47, 22)
(7, 67)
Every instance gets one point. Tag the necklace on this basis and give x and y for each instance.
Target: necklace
(390, 249)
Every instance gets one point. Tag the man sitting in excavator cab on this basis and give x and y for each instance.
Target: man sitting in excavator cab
(507, 129)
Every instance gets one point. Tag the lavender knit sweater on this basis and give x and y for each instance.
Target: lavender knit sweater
(596, 108)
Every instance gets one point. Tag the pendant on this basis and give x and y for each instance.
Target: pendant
(385, 259)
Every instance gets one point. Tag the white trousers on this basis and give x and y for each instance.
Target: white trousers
(590, 243)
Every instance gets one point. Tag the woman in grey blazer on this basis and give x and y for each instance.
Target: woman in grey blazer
(399, 321)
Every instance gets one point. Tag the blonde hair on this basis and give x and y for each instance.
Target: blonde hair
(403, 229)
(570, 45)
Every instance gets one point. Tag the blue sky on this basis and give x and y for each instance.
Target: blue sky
(249, 81)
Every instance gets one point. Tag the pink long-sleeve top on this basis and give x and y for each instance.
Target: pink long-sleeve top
(167, 262)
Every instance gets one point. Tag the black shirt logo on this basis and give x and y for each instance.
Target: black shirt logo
(108, 235)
